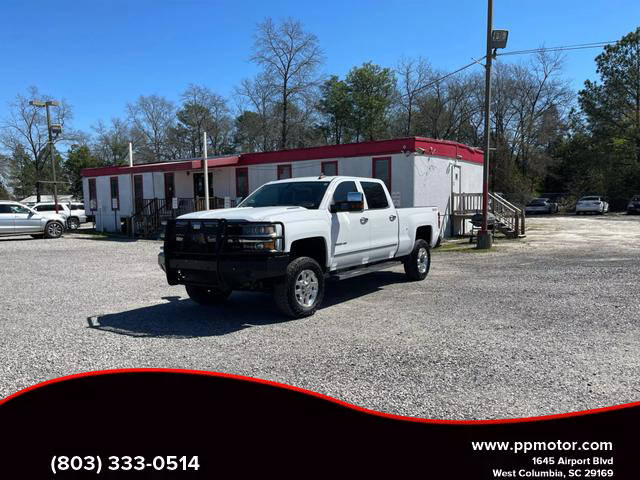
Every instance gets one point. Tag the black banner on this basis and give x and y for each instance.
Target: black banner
(176, 424)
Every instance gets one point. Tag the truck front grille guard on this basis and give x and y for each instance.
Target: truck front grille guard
(221, 239)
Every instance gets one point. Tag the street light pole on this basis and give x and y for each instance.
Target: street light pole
(484, 239)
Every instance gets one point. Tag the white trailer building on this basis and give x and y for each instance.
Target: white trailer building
(418, 172)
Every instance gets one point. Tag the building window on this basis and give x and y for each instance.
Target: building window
(93, 205)
(242, 182)
(115, 193)
(169, 187)
(382, 170)
(330, 169)
(284, 171)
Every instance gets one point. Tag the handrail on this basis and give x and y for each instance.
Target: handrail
(505, 212)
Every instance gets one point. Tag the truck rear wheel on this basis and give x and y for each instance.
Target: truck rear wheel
(417, 264)
(302, 290)
(206, 295)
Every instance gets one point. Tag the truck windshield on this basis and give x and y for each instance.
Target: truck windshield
(295, 194)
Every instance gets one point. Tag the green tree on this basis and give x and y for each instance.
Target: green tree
(372, 90)
(612, 110)
(78, 157)
(336, 106)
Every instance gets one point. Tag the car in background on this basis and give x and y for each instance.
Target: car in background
(77, 211)
(73, 218)
(634, 205)
(18, 219)
(541, 205)
(592, 204)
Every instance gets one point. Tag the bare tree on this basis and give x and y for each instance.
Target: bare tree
(111, 144)
(25, 130)
(289, 57)
(414, 76)
(258, 95)
(152, 117)
(203, 110)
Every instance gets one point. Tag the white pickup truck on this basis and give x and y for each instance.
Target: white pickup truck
(289, 236)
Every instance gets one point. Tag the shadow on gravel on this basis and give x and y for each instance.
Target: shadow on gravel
(183, 318)
(103, 238)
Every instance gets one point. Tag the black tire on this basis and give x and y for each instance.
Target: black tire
(73, 223)
(53, 229)
(301, 291)
(419, 258)
(206, 295)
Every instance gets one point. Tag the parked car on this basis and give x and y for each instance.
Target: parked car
(288, 236)
(592, 204)
(541, 205)
(634, 205)
(77, 211)
(18, 219)
(73, 218)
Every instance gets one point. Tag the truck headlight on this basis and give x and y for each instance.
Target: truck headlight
(258, 237)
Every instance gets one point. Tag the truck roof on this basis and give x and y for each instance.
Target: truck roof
(323, 178)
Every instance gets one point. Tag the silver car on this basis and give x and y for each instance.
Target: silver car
(592, 204)
(18, 219)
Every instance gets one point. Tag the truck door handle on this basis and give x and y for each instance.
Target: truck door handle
(363, 220)
(392, 217)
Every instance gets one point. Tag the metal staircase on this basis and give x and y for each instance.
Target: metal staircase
(149, 220)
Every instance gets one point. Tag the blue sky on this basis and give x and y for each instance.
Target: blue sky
(101, 54)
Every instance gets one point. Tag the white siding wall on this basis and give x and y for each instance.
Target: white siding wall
(432, 185)
(417, 180)
(183, 184)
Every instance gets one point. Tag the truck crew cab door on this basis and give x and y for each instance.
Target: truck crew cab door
(382, 217)
(350, 235)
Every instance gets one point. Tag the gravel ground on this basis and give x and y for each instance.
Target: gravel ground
(548, 324)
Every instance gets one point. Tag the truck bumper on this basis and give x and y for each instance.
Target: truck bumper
(232, 271)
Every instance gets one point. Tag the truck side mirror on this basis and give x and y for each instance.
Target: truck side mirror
(354, 203)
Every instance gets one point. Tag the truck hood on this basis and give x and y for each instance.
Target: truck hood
(249, 214)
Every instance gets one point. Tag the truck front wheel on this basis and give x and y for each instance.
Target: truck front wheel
(417, 264)
(302, 289)
(207, 296)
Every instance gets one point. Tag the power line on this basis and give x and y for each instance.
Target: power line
(561, 48)
(558, 49)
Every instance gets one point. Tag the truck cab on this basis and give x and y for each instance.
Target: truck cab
(289, 236)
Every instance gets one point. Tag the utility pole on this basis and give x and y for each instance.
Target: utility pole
(495, 39)
(53, 163)
(51, 129)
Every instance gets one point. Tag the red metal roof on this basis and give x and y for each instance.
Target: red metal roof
(440, 148)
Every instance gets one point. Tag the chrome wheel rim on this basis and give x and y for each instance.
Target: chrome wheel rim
(306, 288)
(423, 260)
(55, 230)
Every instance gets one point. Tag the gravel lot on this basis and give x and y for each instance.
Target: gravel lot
(548, 324)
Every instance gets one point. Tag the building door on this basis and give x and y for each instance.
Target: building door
(198, 185)
(456, 188)
(138, 193)
(169, 187)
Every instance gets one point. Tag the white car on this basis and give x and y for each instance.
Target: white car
(289, 235)
(73, 217)
(592, 204)
(18, 219)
